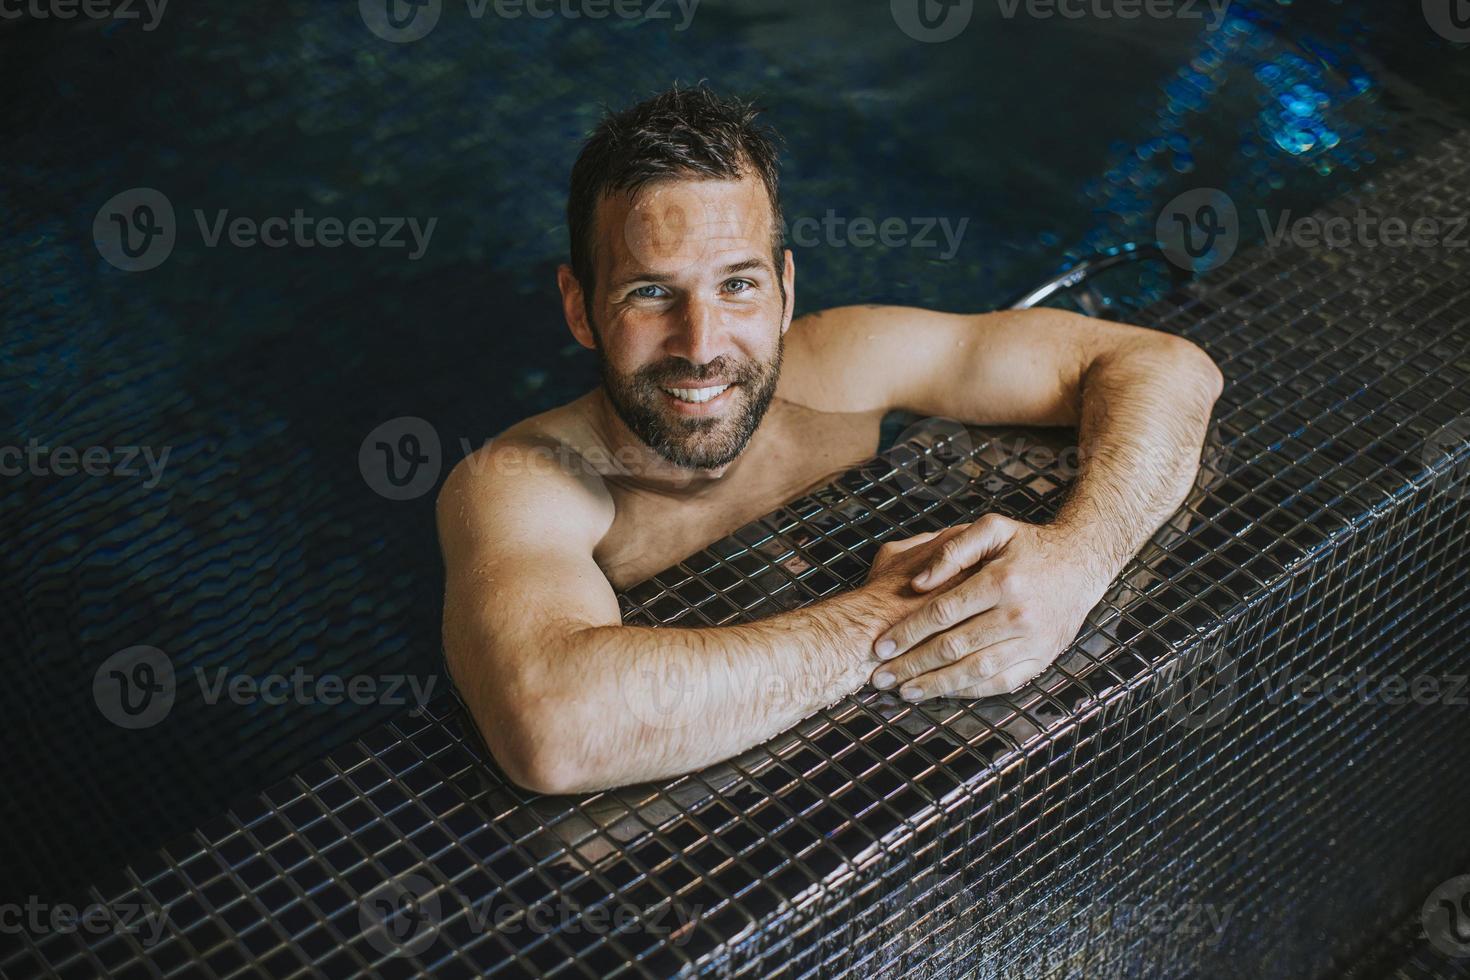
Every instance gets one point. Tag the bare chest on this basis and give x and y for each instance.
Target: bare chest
(651, 532)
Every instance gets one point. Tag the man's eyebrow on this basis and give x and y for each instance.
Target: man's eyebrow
(639, 276)
(745, 265)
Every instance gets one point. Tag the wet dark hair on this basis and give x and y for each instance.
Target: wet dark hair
(681, 133)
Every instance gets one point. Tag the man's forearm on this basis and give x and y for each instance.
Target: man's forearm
(1143, 418)
(642, 703)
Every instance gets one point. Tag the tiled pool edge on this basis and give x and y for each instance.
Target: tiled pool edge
(1391, 504)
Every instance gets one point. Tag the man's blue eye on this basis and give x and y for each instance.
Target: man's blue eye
(744, 283)
(642, 293)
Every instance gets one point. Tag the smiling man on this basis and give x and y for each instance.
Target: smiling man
(715, 407)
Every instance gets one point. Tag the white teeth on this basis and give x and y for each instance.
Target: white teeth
(696, 394)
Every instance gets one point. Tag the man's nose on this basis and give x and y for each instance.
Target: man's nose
(697, 336)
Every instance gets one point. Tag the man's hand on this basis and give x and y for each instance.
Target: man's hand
(897, 563)
(991, 631)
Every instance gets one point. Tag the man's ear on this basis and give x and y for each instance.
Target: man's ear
(574, 306)
(788, 276)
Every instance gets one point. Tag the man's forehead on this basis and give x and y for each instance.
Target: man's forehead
(682, 221)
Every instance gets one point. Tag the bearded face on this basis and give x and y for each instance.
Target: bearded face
(696, 417)
(688, 315)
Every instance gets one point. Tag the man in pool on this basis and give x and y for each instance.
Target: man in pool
(716, 407)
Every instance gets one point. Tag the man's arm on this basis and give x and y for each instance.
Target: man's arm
(1141, 400)
(570, 700)
(1145, 410)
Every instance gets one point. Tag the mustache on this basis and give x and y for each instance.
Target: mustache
(682, 372)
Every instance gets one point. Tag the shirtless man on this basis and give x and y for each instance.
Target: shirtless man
(715, 408)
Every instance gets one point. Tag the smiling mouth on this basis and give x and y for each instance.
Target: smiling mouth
(697, 396)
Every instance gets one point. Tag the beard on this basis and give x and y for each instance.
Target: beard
(693, 443)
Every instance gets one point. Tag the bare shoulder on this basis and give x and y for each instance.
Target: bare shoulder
(529, 483)
(848, 358)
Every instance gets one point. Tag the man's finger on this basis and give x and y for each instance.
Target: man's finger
(980, 540)
(975, 638)
(904, 544)
(1006, 668)
(1011, 679)
(939, 612)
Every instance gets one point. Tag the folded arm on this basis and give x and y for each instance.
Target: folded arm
(1141, 400)
(569, 699)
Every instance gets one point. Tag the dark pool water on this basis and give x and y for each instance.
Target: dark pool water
(261, 549)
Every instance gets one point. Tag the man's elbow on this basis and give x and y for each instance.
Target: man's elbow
(548, 773)
(536, 753)
(1200, 363)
